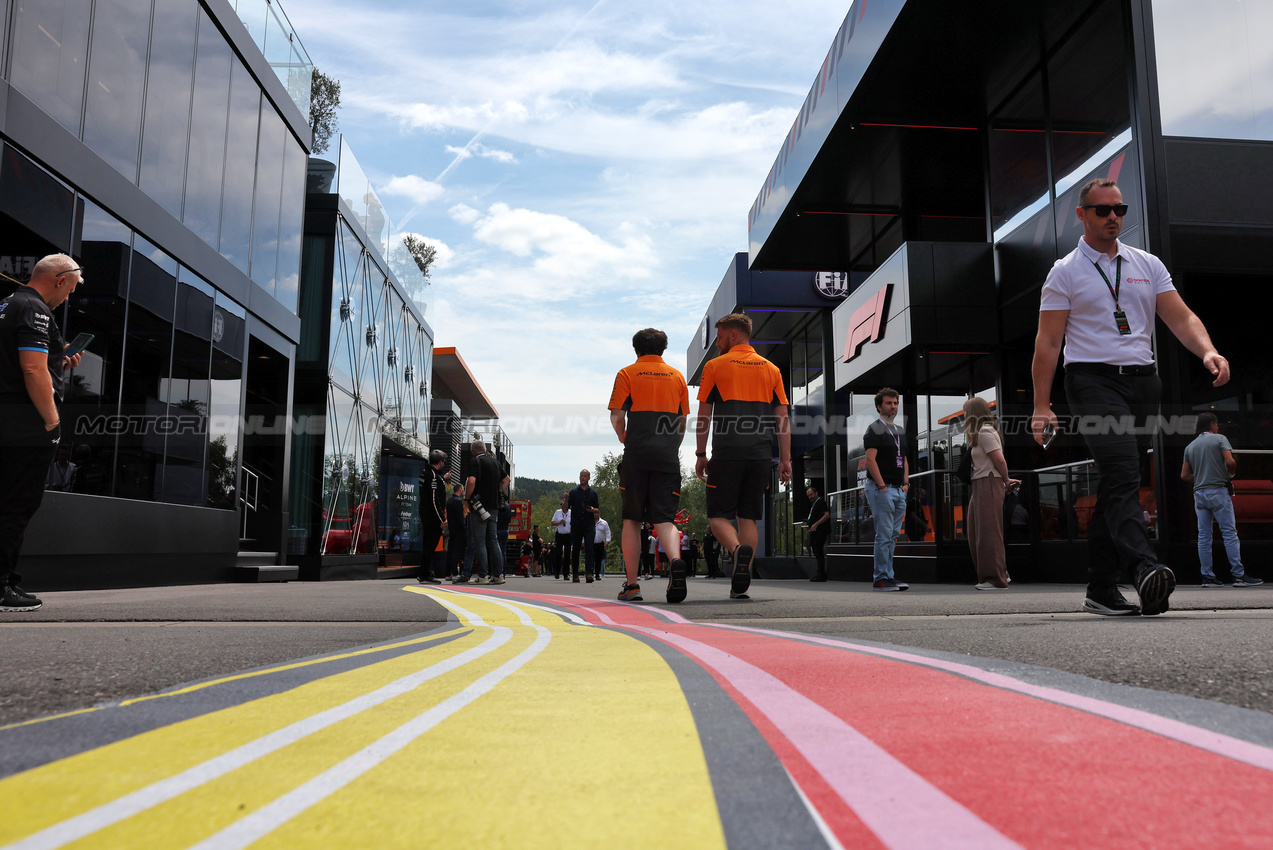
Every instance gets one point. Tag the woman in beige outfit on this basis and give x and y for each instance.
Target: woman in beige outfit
(990, 482)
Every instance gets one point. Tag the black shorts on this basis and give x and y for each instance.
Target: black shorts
(736, 488)
(649, 496)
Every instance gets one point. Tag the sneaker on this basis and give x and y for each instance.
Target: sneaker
(495, 580)
(985, 585)
(741, 579)
(591, 579)
(16, 600)
(676, 589)
(575, 579)
(1109, 604)
(630, 593)
(818, 578)
(460, 580)
(1154, 585)
(885, 584)
(1245, 581)
(901, 585)
(1211, 581)
(427, 580)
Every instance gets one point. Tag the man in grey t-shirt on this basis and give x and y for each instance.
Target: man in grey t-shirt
(1209, 466)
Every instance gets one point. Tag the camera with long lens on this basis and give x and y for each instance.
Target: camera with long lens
(482, 513)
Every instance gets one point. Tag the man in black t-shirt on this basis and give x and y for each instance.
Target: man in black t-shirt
(819, 525)
(890, 472)
(482, 491)
(584, 509)
(31, 367)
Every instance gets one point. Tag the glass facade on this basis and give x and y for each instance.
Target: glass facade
(154, 89)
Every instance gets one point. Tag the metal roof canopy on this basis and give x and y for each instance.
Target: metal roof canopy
(453, 380)
(889, 146)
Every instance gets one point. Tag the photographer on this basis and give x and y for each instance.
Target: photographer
(482, 492)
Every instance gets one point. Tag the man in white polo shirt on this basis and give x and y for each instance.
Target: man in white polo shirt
(1101, 299)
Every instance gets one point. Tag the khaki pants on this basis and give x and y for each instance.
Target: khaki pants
(985, 530)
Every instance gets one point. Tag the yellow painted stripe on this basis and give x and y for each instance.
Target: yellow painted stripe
(544, 759)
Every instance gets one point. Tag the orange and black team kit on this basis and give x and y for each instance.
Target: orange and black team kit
(743, 389)
(655, 397)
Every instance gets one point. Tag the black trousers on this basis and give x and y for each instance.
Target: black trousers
(561, 554)
(429, 537)
(22, 473)
(713, 563)
(1117, 539)
(581, 538)
(818, 543)
(598, 559)
(455, 550)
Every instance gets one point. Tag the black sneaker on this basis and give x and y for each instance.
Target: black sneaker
(676, 589)
(1248, 581)
(460, 580)
(818, 578)
(1211, 581)
(1154, 584)
(1109, 603)
(427, 580)
(741, 579)
(16, 600)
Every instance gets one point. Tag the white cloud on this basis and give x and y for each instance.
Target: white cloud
(415, 189)
(463, 213)
(482, 151)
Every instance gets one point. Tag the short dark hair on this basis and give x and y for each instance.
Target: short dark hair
(649, 341)
(436, 456)
(886, 392)
(1205, 421)
(815, 488)
(736, 321)
(1095, 183)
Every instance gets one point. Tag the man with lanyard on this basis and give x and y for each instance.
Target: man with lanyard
(31, 367)
(889, 470)
(648, 407)
(482, 492)
(741, 399)
(1101, 298)
(561, 542)
(584, 509)
(432, 489)
(819, 525)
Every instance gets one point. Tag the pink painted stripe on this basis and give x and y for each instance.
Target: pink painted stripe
(902, 808)
(1204, 739)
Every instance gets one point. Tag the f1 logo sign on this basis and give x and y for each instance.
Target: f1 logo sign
(866, 323)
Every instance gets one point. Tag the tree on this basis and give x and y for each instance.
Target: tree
(324, 98)
(422, 252)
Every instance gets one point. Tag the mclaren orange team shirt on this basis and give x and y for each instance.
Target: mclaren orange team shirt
(743, 389)
(655, 396)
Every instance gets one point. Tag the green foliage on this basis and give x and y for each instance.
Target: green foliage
(422, 252)
(535, 489)
(324, 99)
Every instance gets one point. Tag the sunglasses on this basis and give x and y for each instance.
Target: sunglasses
(1103, 210)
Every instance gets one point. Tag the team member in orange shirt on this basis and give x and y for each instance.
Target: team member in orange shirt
(648, 409)
(742, 397)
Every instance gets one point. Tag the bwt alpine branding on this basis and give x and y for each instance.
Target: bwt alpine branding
(867, 323)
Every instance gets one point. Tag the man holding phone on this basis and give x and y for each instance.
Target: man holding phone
(1102, 298)
(32, 360)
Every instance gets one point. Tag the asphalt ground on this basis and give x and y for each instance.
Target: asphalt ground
(86, 648)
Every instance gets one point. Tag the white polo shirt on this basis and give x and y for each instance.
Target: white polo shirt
(1091, 332)
(560, 515)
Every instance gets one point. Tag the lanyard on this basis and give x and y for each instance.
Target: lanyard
(1118, 279)
(896, 435)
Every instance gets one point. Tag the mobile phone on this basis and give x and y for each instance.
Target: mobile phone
(78, 345)
(1049, 434)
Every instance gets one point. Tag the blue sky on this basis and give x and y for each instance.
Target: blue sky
(585, 169)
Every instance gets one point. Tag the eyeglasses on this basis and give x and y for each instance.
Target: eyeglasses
(1103, 210)
(71, 271)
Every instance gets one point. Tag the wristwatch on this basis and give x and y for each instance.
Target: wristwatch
(700, 454)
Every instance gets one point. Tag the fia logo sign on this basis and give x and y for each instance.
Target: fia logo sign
(832, 284)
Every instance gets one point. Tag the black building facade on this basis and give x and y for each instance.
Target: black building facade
(153, 141)
(936, 163)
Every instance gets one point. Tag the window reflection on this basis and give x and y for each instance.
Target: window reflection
(240, 166)
(50, 42)
(202, 212)
(116, 78)
(187, 393)
(265, 205)
(229, 337)
(167, 119)
(291, 223)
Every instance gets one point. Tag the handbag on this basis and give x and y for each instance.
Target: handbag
(964, 471)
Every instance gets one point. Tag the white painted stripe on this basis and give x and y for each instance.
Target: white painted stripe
(152, 795)
(827, 835)
(488, 595)
(277, 813)
(903, 809)
(1204, 739)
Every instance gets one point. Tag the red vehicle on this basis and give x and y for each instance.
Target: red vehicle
(519, 537)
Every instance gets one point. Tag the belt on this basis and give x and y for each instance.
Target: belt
(1110, 369)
